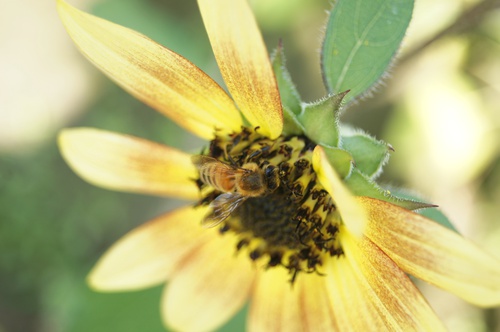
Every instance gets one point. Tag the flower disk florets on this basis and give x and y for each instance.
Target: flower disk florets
(292, 221)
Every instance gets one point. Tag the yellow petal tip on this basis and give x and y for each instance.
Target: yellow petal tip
(352, 212)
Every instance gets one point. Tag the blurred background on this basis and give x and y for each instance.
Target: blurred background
(439, 108)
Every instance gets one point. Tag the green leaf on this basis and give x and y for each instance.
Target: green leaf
(362, 37)
(361, 185)
(290, 98)
(319, 119)
(369, 153)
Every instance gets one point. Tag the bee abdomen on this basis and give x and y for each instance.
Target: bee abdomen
(212, 178)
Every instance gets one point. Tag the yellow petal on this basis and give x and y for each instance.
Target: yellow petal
(433, 253)
(396, 299)
(159, 77)
(317, 310)
(150, 253)
(352, 213)
(209, 288)
(346, 293)
(275, 305)
(127, 163)
(244, 62)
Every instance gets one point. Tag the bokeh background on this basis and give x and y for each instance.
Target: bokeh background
(439, 108)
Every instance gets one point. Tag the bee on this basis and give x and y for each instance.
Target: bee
(237, 184)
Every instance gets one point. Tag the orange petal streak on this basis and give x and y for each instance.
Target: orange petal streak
(398, 302)
(434, 253)
(127, 163)
(152, 73)
(244, 62)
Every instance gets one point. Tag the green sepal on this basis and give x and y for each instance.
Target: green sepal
(361, 39)
(369, 153)
(291, 125)
(438, 217)
(432, 213)
(290, 98)
(341, 160)
(319, 119)
(361, 185)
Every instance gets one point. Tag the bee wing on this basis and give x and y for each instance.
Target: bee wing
(200, 160)
(222, 207)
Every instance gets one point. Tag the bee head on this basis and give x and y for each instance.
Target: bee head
(251, 181)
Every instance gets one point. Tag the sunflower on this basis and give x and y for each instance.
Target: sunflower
(273, 221)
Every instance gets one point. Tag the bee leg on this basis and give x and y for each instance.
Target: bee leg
(231, 160)
(258, 152)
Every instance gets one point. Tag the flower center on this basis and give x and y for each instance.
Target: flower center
(265, 191)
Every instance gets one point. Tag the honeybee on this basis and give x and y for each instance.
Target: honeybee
(236, 183)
